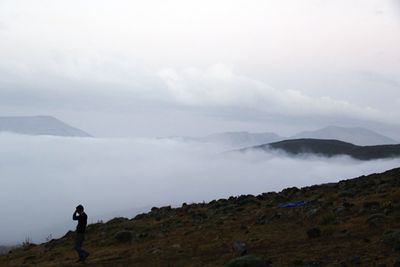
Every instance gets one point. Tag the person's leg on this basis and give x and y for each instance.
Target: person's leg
(78, 245)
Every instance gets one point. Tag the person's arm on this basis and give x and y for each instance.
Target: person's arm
(75, 217)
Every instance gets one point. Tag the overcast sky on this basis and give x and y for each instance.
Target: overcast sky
(171, 67)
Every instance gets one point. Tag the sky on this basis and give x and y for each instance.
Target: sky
(156, 68)
(127, 71)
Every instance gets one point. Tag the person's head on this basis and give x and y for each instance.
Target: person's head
(79, 208)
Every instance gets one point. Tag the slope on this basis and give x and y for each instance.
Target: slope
(352, 222)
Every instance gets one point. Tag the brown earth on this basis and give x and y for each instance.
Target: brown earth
(350, 223)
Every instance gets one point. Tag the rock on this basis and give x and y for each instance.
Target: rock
(239, 248)
(312, 213)
(176, 246)
(356, 260)
(246, 200)
(372, 206)
(314, 232)
(117, 220)
(141, 216)
(376, 220)
(348, 193)
(124, 236)
(246, 261)
(339, 210)
(288, 192)
(383, 188)
(298, 262)
(308, 263)
(347, 204)
(262, 220)
(141, 236)
(392, 238)
(155, 251)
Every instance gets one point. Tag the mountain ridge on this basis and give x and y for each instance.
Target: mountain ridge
(39, 125)
(241, 139)
(354, 135)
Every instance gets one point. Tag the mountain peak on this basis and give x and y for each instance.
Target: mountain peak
(354, 135)
(39, 125)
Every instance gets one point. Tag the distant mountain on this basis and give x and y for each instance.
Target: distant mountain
(330, 148)
(356, 135)
(39, 125)
(233, 139)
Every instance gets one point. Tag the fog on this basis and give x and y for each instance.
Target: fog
(43, 178)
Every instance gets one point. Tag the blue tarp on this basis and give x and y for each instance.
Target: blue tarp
(292, 204)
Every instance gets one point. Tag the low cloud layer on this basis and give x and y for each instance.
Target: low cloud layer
(44, 178)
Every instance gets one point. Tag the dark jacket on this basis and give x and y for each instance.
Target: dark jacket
(82, 221)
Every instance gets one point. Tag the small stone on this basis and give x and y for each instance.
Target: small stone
(240, 248)
(176, 246)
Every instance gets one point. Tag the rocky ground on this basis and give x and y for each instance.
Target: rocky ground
(351, 223)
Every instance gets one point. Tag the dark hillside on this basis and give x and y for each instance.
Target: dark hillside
(330, 148)
(350, 223)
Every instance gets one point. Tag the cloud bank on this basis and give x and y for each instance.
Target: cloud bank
(219, 85)
(44, 178)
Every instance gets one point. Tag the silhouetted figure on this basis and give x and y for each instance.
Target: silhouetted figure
(80, 216)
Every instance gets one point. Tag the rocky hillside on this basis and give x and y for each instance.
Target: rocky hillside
(350, 223)
(331, 148)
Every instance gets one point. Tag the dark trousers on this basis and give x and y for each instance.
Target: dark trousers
(79, 238)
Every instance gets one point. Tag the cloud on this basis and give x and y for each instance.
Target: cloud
(219, 85)
(381, 78)
(44, 178)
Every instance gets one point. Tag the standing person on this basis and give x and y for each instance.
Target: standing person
(80, 216)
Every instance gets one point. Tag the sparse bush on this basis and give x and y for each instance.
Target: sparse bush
(27, 242)
(392, 238)
(49, 237)
(329, 219)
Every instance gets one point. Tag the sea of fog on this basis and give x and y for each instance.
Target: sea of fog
(43, 178)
